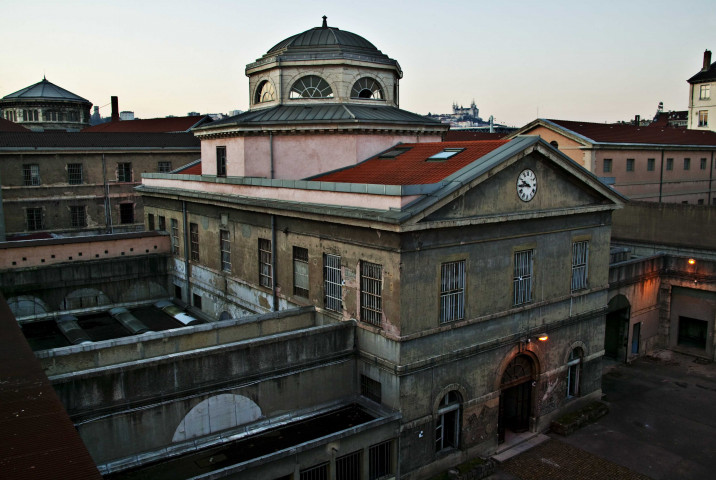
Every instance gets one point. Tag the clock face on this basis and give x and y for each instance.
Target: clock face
(526, 185)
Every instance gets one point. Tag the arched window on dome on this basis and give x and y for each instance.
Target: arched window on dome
(310, 86)
(265, 92)
(367, 88)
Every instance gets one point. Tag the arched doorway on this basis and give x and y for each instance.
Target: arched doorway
(516, 396)
(617, 328)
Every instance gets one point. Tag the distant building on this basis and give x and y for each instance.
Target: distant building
(126, 115)
(45, 106)
(152, 125)
(671, 118)
(702, 96)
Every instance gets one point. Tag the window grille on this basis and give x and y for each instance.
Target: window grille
(194, 241)
(523, 277)
(370, 388)
(310, 86)
(580, 255)
(319, 472)
(225, 247)
(630, 165)
(175, 235)
(702, 164)
(78, 218)
(687, 163)
(300, 272)
(332, 282)
(452, 291)
(164, 167)
(607, 167)
(380, 460)
(348, 466)
(371, 282)
(124, 172)
(669, 163)
(34, 218)
(265, 267)
(74, 173)
(31, 175)
(126, 213)
(650, 164)
(220, 161)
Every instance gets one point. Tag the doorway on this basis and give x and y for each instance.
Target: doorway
(616, 328)
(515, 397)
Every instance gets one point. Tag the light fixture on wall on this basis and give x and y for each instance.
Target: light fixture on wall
(692, 261)
(542, 337)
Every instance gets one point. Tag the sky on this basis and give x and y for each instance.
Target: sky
(598, 61)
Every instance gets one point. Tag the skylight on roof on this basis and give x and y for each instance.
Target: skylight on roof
(394, 152)
(445, 154)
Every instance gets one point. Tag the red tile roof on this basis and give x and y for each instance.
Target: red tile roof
(411, 167)
(8, 126)
(190, 169)
(150, 125)
(38, 441)
(618, 133)
(466, 135)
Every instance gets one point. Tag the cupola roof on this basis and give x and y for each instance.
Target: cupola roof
(44, 90)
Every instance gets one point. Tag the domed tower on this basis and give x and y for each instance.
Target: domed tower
(320, 100)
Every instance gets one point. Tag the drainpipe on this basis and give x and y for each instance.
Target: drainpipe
(271, 152)
(186, 252)
(274, 302)
(661, 175)
(107, 204)
(709, 200)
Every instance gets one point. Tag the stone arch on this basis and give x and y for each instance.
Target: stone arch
(265, 92)
(570, 349)
(27, 305)
(217, 413)
(508, 358)
(445, 390)
(85, 298)
(616, 330)
(225, 316)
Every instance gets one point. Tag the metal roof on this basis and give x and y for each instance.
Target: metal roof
(79, 140)
(44, 90)
(704, 75)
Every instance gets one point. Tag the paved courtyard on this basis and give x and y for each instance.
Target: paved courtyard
(661, 425)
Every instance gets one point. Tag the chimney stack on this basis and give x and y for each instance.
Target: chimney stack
(637, 120)
(115, 109)
(707, 60)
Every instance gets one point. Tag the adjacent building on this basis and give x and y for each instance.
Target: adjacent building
(702, 105)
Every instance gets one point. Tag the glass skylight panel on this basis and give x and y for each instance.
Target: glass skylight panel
(394, 152)
(445, 154)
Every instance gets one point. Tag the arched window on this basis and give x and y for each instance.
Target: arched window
(447, 427)
(265, 92)
(367, 88)
(574, 370)
(311, 86)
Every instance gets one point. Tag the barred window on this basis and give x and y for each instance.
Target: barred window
(523, 277)
(78, 217)
(194, 241)
(300, 272)
(220, 161)
(74, 173)
(380, 460)
(370, 388)
(348, 466)
(371, 282)
(318, 472)
(175, 236)
(34, 218)
(580, 256)
(687, 164)
(164, 167)
(332, 282)
(124, 172)
(225, 247)
(31, 175)
(452, 291)
(126, 213)
(265, 267)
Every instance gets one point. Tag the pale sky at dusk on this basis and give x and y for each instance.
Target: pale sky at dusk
(576, 60)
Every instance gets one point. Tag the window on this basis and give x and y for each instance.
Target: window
(78, 217)
(371, 281)
(194, 241)
(447, 428)
(380, 460)
(702, 164)
(311, 86)
(31, 174)
(74, 173)
(150, 222)
(574, 369)
(705, 92)
(580, 257)
(523, 277)
(669, 163)
(554, 143)
(162, 223)
(452, 291)
(197, 300)
(225, 247)
(445, 154)
(650, 163)
(630, 165)
(265, 92)
(332, 282)
(34, 218)
(703, 118)
(318, 472)
(700, 201)
(265, 267)
(175, 236)
(348, 466)
(687, 164)
(367, 88)
(607, 167)
(124, 172)
(300, 272)
(220, 161)
(30, 115)
(370, 388)
(164, 167)
(126, 213)
(394, 152)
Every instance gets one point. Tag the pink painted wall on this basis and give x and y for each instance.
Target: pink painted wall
(566, 145)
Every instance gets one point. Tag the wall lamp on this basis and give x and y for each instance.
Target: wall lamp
(692, 261)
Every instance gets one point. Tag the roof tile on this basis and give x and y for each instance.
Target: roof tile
(619, 133)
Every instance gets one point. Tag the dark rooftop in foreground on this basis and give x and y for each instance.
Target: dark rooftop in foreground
(79, 140)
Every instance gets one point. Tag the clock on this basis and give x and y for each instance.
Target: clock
(526, 185)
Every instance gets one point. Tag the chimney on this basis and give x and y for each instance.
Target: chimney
(637, 120)
(115, 109)
(707, 60)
